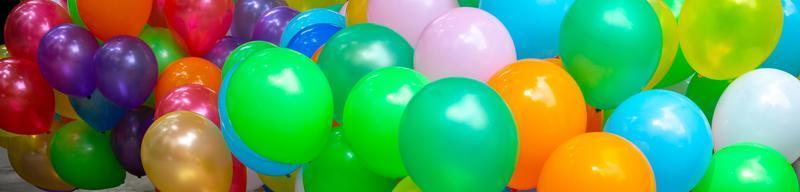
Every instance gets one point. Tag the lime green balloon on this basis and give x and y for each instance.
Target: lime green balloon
(280, 105)
(748, 167)
(675, 6)
(357, 50)
(83, 158)
(72, 8)
(705, 93)
(242, 52)
(469, 3)
(164, 46)
(457, 134)
(611, 48)
(372, 115)
(337, 169)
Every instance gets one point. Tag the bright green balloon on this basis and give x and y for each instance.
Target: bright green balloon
(164, 45)
(357, 50)
(705, 93)
(280, 105)
(748, 167)
(457, 134)
(469, 3)
(72, 8)
(675, 6)
(83, 158)
(372, 115)
(337, 169)
(242, 52)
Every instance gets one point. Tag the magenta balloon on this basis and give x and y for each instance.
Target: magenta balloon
(28, 22)
(271, 25)
(193, 97)
(65, 59)
(395, 15)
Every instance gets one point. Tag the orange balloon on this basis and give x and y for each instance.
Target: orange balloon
(109, 18)
(594, 122)
(315, 57)
(548, 107)
(189, 70)
(597, 162)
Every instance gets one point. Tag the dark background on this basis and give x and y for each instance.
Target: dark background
(6, 5)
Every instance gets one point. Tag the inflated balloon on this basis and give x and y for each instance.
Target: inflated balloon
(760, 106)
(126, 71)
(65, 59)
(669, 41)
(622, 166)
(164, 46)
(63, 107)
(198, 24)
(247, 12)
(594, 119)
(157, 18)
(253, 180)
(464, 42)
(610, 48)
(784, 56)
(371, 135)
(106, 19)
(309, 18)
(534, 25)
(26, 100)
(337, 169)
(29, 155)
(680, 69)
(303, 5)
(457, 134)
(335, 7)
(748, 167)
(242, 52)
(396, 15)
(191, 97)
(183, 151)
(270, 26)
(84, 159)
(671, 132)
(311, 38)
(99, 112)
(222, 49)
(4, 52)
(548, 108)
(126, 139)
(284, 182)
(239, 177)
(356, 51)
(469, 3)
(72, 9)
(406, 185)
(356, 12)
(27, 23)
(724, 39)
(705, 93)
(189, 70)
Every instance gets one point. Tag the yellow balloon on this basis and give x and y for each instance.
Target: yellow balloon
(669, 41)
(302, 5)
(280, 183)
(356, 12)
(30, 157)
(406, 185)
(63, 107)
(723, 39)
(184, 151)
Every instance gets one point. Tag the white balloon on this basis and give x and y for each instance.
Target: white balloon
(761, 106)
(298, 182)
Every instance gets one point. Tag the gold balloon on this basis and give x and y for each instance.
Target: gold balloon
(406, 185)
(184, 151)
(30, 157)
(669, 41)
(280, 183)
(356, 12)
(63, 107)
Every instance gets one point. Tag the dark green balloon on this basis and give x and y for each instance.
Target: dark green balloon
(337, 169)
(335, 7)
(242, 52)
(164, 46)
(471, 3)
(83, 158)
(748, 167)
(705, 93)
(457, 134)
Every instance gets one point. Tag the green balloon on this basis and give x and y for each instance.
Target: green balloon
(457, 134)
(705, 93)
(280, 105)
(469, 3)
(335, 7)
(678, 71)
(748, 167)
(357, 50)
(675, 6)
(72, 8)
(611, 48)
(165, 47)
(83, 157)
(242, 52)
(337, 169)
(372, 115)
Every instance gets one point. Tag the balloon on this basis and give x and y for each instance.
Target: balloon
(27, 23)
(222, 49)
(469, 3)
(126, 139)
(406, 185)
(721, 49)
(100, 113)
(281, 183)
(190, 97)
(464, 42)
(597, 162)
(183, 151)
(548, 108)
(72, 10)
(157, 18)
(678, 71)
(26, 100)
(242, 52)
(303, 5)
(356, 12)
(760, 107)
(457, 134)
(4, 52)
(271, 25)
(337, 169)
(198, 24)
(705, 93)
(106, 19)
(63, 107)
(335, 7)
(669, 41)
(29, 155)
(357, 50)
(534, 25)
(189, 70)
(748, 167)
(310, 39)
(239, 177)
(298, 182)
(164, 46)
(595, 117)
(84, 159)
(293, 125)
(784, 56)
(247, 12)
(309, 18)
(373, 136)
(671, 132)
(253, 180)
(126, 71)
(395, 15)
(65, 59)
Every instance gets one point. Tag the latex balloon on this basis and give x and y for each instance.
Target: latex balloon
(449, 46)
(783, 57)
(198, 24)
(337, 169)
(759, 107)
(239, 177)
(106, 19)
(65, 59)
(157, 18)
(183, 151)
(303, 5)
(335, 7)
(241, 53)
(253, 180)
(284, 182)
(29, 155)
(357, 50)
(373, 136)
(548, 108)
(26, 100)
(705, 93)
(126, 70)
(457, 134)
(671, 132)
(534, 25)
(310, 39)
(395, 15)
(720, 49)
(678, 71)
(126, 139)
(72, 10)
(63, 107)
(189, 70)
(621, 168)
(84, 159)
(27, 23)
(669, 41)
(298, 182)
(271, 24)
(100, 113)
(594, 121)
(4, 52)
(247, 12)
(406, 185)
(191, 97)
(356, 12)
(309, 18)
(469, 3)
(748, 167)
(164, 46)
(222, 49)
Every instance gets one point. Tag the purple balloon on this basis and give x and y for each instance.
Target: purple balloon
(247, 12)
(126, 71)
(65, 59)
(126, 139)
(219, 53)
(271, 25)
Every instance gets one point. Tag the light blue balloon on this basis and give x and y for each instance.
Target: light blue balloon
(534, 24)
(99, 112)
(671, 131)
(786, 55)
(308, 18)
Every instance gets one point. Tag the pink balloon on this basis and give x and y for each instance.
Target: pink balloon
(192, 97)
(464, 42)
(409, 17)
(199, 24)
(28, 22)
(343, 10)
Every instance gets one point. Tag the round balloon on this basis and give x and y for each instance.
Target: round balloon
(748, 167)
(63, 107)
(406, 185)
(243, 52)
(705, 93)
(271, 25)
(106, 19)
(534, 25)
(247, 12)
(165, 48)
(99, 112)
(26, 100)
(337, 169)
(65, 59)
(311, 38)
(126, 139)
(189, 70)
(680, 69)
(27, 23)
(126, 71)
(309, 18)
(395, 15)
(783, 57)
(29, 156)
(669, 41)
(284, 182)
(303, 5)
(198, 24)
(83, 157)
(222, 49)
(191, 97)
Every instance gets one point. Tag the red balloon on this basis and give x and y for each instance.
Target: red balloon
(239, 182)
(191, 97)
(28, 22)
(27, 103)
(198, 23)
(157, 15)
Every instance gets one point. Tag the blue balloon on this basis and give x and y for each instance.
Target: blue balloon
(534, 25)
(671, 131)
(308, 18)
(99, 112)
(786, 55)
(308, 40)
